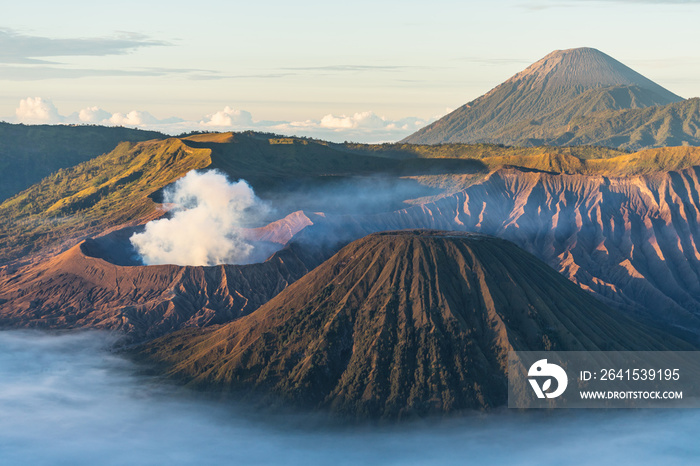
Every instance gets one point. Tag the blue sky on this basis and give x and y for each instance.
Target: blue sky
(369, 71)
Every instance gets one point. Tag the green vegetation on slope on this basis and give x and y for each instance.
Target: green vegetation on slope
(644, 162)
(88, 199)
(28, 153)
(479, 151)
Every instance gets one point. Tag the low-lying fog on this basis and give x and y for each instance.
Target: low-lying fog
(65, 399)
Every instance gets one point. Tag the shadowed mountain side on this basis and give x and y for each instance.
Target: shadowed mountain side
(398, 324)
(551, 93)
(631, 241)
(28, 153)
(78, 290)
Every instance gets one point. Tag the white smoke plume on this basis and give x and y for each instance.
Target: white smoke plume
(206, 223)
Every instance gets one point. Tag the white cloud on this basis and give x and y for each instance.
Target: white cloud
(35, 110)
(93, 115)
(358, 120)
(228, 117)
(133, 118)
(360, 127)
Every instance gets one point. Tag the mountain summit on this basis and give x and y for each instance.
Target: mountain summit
(561, 88)
(586, 68)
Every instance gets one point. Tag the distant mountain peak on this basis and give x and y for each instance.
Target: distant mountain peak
(587, 68)
(564, 85)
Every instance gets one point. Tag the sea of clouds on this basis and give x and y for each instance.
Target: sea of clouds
(67, 399)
